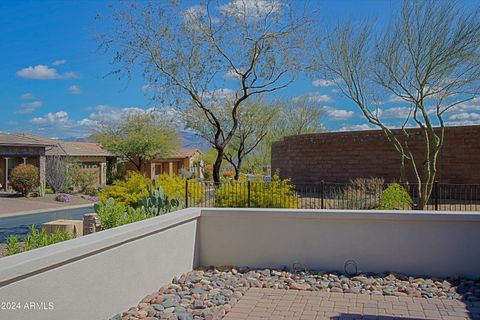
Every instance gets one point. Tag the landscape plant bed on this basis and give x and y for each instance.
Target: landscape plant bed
(210, 293)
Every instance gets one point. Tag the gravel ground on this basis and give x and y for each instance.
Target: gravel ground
(210, 293)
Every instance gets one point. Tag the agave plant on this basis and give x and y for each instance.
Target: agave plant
(157, 203)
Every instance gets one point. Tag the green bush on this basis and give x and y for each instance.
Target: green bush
(112, 214)
(275, 194)
(82, 180)
(128, 192)
(35, 239)
(395, 197)
(24, 178)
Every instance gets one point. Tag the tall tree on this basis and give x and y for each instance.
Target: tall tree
(139, 137)
(207, 52)
(254, 122)
(429, 58)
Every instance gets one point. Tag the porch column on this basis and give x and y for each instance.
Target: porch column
(5, 183)
(24, 160)
(41, 169)
(170, 167)
(103, 173)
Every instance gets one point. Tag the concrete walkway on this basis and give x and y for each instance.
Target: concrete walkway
(16, 205)
(310, 305)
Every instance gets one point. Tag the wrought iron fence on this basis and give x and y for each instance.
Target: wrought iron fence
(323, 195)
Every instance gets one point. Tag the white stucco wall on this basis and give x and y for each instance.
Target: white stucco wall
(102, 274)
(99, 275)
(417, 243)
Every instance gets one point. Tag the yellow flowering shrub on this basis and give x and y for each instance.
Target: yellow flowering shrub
(128, 192)
(277, 193)
(174, 188)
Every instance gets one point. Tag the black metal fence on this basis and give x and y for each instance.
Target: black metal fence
(324, 195)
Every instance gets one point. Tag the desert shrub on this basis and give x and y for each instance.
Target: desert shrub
(208, 172)
(275, 194)
(174, 188)
(187, 174)
(229, 174)
(395, 197)
(128, 192)
(57, 176)
(35, 239)
(113, 214)
(24, 178)
(361, 193)
(81, 179)
(13, 246)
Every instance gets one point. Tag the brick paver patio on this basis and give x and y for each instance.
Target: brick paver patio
(310, 305)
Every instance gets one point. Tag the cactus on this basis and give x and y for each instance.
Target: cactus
(42, 188)
(157, 202)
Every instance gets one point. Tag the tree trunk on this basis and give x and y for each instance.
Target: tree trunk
(216, 166)
(237, 169)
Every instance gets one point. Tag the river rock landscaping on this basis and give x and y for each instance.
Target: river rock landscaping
(210, 293)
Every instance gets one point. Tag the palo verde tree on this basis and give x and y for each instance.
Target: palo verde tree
(203, 53)
(428, 58)
(139, 137)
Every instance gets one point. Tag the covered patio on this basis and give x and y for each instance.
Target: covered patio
(16, 149)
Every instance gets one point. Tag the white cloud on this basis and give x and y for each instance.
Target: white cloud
(60, 117)
(43, 72)
(231, 75)
(397, 113)
(30, 105)
(334, 90)
(465, 116)
(251, 9)
(395, 99)
(74, 89)
(314, 97)
(356, 127)
(325, 83)
(338, 114)
(58, 62)
(27, 96)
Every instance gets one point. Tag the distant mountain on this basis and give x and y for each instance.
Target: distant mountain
(192, 140)
(189, 140)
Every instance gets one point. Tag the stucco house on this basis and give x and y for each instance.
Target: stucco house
(90, 156)
(18, 148)
(188, 159)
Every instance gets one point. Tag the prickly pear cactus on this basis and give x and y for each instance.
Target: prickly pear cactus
(157, 202)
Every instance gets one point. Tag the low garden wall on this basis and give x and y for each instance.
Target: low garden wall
(99, 275)
(412, 242)
(96, 276)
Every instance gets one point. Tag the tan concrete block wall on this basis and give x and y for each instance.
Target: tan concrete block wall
(341, 156)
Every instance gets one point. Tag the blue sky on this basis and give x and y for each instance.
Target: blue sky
(53, 75)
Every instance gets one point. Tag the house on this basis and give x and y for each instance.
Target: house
(18, 149)
(21, 148)
(184, 159)
(90, 156)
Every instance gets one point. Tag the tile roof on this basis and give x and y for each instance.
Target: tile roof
(76, 148)
(22, 139)
(184, 153)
